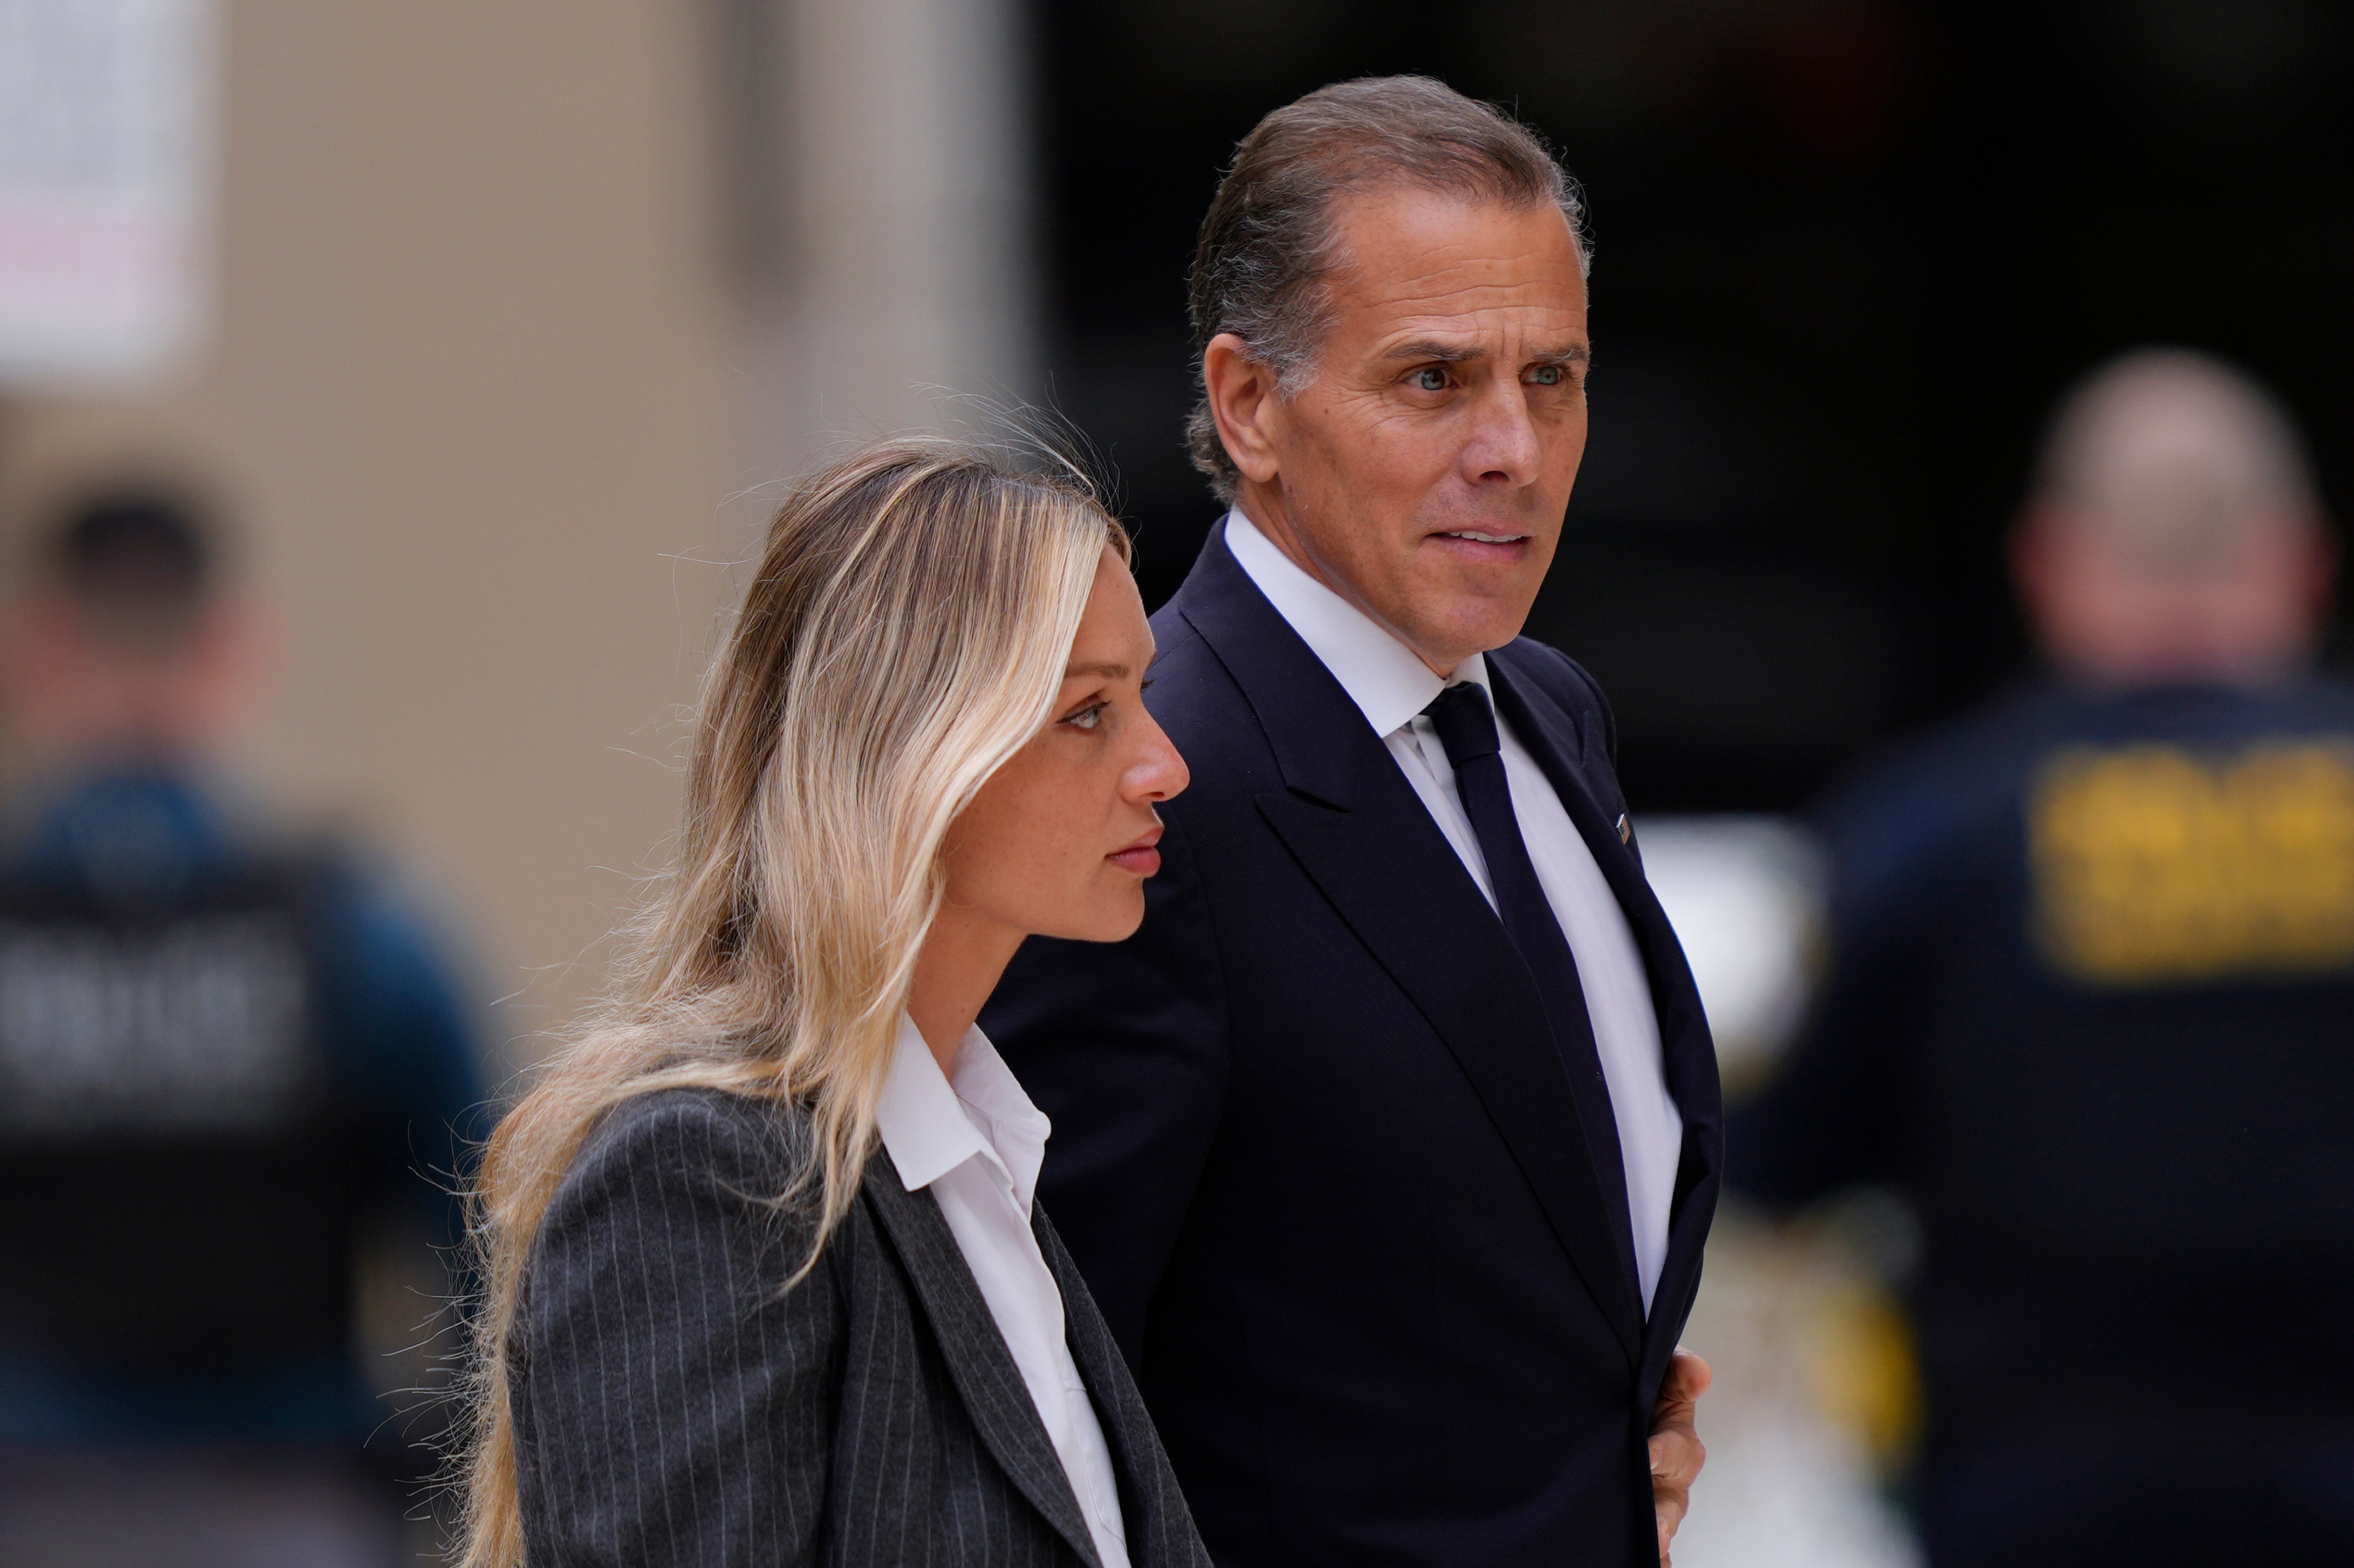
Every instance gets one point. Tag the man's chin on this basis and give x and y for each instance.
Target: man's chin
(1473, 615)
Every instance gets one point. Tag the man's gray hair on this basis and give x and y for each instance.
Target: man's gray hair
(1268, 245)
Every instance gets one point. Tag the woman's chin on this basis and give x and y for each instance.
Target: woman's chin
(1103, 920)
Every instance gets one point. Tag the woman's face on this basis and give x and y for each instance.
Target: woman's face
(1059, 842)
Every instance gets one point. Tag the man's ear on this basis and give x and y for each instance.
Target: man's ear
(2056, 572)
(2317, 574)
(2028, 552)
(1243, 401)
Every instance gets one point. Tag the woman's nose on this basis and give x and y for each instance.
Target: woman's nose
(1160, 772)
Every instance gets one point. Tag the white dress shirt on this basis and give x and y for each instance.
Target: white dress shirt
(977, 1142)
(1391, 685)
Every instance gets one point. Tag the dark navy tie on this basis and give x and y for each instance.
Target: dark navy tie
(1467, 728)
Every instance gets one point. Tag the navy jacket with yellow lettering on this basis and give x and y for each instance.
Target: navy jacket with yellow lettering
(2091, 1007)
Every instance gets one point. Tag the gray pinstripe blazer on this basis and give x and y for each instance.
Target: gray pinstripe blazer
(673, 1404)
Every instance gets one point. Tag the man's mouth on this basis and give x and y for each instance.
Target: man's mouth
(1483, 538)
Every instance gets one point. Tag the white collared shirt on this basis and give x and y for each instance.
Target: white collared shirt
(977, 1142)
(1391, 685)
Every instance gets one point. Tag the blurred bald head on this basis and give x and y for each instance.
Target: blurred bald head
(2174, 533)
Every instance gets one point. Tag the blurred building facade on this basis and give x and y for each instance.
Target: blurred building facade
(511, 319)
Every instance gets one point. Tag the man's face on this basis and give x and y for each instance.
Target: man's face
(1423, 474)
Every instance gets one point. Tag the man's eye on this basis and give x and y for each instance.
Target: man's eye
(1547, 374)
(1089, 716)
(1431, 379)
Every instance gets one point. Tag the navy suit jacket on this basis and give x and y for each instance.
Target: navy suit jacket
(1316, 1155)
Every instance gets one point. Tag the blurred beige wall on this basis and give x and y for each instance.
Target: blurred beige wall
(905, 266)
(495, 389)
(470, 396)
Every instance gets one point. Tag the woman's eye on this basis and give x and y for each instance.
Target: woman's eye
(1430, 378)
(1089, 716)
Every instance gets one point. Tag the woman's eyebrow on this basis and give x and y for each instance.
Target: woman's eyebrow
(1108, 672)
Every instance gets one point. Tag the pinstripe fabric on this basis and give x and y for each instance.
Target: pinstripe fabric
(1160, 1526)
(675, 1405)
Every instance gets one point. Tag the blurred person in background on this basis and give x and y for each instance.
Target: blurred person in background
(230, 1068)
(2090, 1009)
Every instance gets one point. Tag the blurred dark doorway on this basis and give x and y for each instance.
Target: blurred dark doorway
(1847, 253)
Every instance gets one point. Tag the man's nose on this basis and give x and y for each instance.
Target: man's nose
(1159, 771)
(1505, 446)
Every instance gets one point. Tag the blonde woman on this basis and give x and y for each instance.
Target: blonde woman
(765, 1281)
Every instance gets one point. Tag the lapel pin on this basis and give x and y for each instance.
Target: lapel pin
(1626, 829)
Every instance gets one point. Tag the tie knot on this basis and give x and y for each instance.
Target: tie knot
(1465, 722)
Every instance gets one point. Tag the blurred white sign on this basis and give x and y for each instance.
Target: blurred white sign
(106, 112)
(1744, 894)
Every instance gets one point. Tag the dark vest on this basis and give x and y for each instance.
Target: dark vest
(179, 1173)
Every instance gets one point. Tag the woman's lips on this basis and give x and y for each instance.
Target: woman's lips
(1139, 857)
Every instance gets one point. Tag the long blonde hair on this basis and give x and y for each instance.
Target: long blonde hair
(905, 635)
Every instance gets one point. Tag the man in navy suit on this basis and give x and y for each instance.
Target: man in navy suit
(1389, 1143)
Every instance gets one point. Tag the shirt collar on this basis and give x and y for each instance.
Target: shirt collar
(1387, 681)
(932, 1123)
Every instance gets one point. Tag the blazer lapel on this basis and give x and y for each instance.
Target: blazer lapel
(1363, 836)
(1152, 1508)
(979, 1364)
(1688, 1053)
(1552, 739)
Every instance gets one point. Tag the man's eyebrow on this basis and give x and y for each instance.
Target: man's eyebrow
(1425, 350)
(1573, 353)
(1429, 350)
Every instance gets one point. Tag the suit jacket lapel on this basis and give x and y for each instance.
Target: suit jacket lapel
(1688, 1055)
(1150, 1504)
(1363, 836)
(979, 1364)
(1553, 741)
